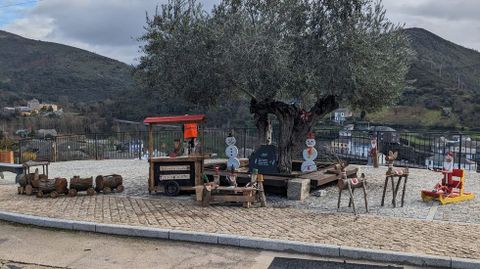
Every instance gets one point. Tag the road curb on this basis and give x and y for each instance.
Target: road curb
(245, 241)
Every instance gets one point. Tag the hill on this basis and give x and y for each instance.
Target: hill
(53, 72)
(444, 89)
(445, 85)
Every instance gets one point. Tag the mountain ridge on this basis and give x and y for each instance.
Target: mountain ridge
(48, 70)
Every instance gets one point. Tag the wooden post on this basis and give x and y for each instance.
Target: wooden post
(263, 199)
(150, 156)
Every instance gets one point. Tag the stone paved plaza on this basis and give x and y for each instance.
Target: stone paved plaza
(419, 227)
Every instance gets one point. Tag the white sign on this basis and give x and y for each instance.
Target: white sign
(175, 168)
(174, 176)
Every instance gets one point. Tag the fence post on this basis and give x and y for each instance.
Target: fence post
(245, 142)
(460, 153)
(20, 157)
(139, 145)
(96, 146)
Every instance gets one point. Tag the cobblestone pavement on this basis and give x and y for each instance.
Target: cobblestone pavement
(417, 227)
(366, 231)
(135, 173)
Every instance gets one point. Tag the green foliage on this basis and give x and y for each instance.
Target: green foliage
(445, 83)
(289, 50)
(48, 71)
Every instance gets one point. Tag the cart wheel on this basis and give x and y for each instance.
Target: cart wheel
(172, 188)
(91, 191)
(120, 188)
(28, 190)
(107, 190)
(20, 190)
(40, 194)
(72, 193)
(54, 194)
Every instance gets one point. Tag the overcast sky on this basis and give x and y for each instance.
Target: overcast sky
(109, 27)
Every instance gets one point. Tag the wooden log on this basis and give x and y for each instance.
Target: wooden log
(46, 186)
(61, 185)
(109, 181)
(81, 184)
(72, 193)
(28, 189)
(54, 187)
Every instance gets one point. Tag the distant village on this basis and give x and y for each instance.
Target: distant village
(34, 108)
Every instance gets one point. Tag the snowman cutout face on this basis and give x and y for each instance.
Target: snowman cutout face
(230, 141)
(310, 142)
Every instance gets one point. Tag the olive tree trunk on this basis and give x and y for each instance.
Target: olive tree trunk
(294, 124)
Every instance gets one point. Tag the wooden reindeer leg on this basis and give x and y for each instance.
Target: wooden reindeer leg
(404, 187)
(365, 196)
(339, 198)
(384, 191)
(397, 189)
(351, 197)
(393, 191)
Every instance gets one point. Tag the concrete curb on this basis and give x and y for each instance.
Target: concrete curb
(244, 241)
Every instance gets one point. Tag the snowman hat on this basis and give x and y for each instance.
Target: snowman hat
(310, 135)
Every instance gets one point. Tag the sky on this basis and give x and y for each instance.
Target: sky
(110, 27)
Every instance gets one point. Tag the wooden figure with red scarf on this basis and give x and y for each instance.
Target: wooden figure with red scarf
(309, 154)
(394, 173)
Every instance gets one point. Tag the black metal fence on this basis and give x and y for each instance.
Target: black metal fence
(415, 149)
(128, 145)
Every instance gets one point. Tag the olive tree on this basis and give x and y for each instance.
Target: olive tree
(294, 59)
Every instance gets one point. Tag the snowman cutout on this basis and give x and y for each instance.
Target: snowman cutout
(309, 155)
(231, 151)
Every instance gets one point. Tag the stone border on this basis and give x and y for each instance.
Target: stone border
(245, 241)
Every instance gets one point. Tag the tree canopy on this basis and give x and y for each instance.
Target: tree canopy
(295, 59)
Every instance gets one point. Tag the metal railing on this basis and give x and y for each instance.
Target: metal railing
(415, 149)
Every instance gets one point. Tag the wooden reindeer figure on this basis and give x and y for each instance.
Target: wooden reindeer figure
(392, 174)
(350, 184)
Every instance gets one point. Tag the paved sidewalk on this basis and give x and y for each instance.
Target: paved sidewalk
(365, 231)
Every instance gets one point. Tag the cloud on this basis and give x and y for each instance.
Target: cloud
(456, 21)
(107, 27)
(110, 27)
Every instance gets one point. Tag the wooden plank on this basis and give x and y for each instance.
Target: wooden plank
(190, 158)
(246, 175)
(232, 198)
(236, 189)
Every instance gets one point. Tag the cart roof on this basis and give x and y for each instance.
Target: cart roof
(175, 119)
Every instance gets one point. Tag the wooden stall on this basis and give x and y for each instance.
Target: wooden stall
(172, 174)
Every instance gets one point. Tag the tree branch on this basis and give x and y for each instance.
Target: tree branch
(324, 105)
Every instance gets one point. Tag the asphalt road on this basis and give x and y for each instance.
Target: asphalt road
(29, 247)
